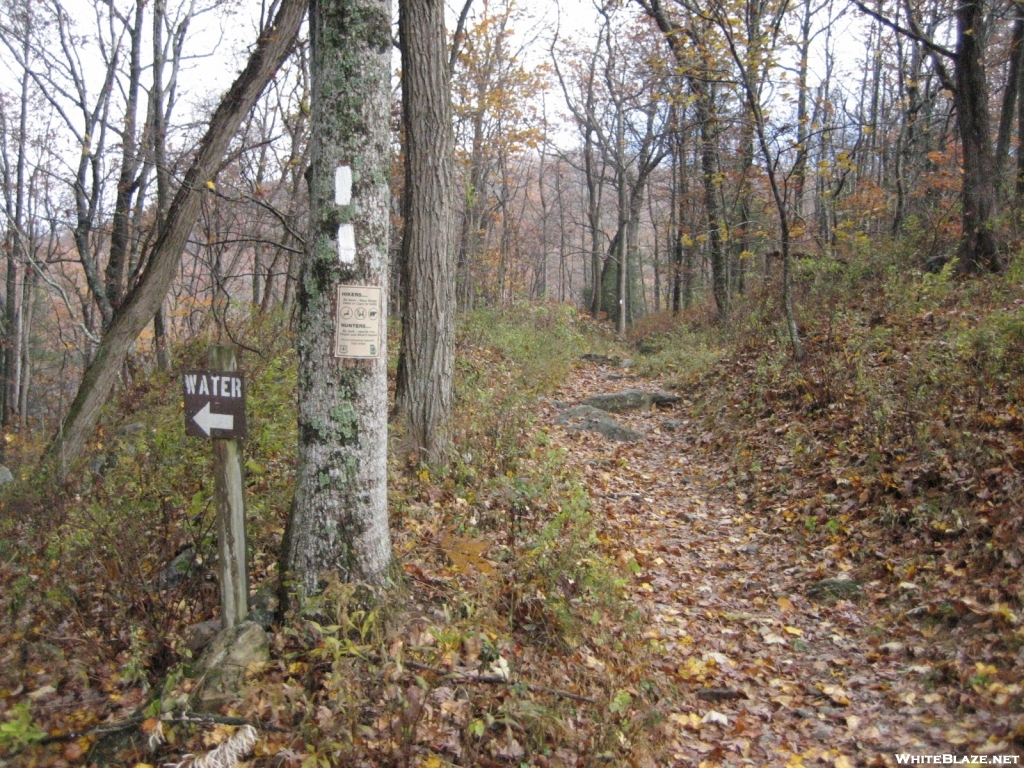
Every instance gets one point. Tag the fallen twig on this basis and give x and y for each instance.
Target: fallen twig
(498, 680)
(171, 717)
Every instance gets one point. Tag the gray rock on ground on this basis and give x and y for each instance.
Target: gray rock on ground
(234, 652)
(200, 635)
(591, 357)
(589, 419)
(5, 476)
(263, 605)
(630, 400)
(176, 571)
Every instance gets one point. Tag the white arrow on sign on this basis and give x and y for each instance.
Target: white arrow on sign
(208, 421)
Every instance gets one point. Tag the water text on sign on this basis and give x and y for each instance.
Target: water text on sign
(217, 386)
(214, 404)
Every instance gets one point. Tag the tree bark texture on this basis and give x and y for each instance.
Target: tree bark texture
(426, 366)
(1008, 108)
(339, 519)
(980, 247)
(140, 306)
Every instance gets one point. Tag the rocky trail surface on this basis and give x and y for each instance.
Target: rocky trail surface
(766, 647)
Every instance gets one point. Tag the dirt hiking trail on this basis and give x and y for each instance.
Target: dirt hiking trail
(761, 651)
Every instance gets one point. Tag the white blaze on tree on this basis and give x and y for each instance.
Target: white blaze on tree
(339, 520)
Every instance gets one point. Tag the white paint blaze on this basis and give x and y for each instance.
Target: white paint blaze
(342, 185)
(347, 244)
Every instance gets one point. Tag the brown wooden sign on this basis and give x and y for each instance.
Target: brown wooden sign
(214, 404)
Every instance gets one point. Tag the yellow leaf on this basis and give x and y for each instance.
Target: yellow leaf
(211, 185)
(432, 762)
(842, 761)
(793, 631)
(836, 694)
(785, 604)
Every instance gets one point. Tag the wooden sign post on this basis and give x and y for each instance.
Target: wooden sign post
(215, 408)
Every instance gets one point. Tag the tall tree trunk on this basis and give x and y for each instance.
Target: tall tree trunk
(622, 290)
(16, 254)
(473, 213)
(25, 378)
(1018, 185)
(709, 168)
(158, 133)
(1013, 79)
(339, 519)
(980, 248)
(120, 235)
(142, 303)
(593, 221)
(426, 365)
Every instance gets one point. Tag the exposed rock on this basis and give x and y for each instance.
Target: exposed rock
(935, 264)
(100, 464)
(662, 399)
(198, 636)
(671, 425)
(5, 476)
(630, 400)
(834, 589)
(223, 666)
(176, 571)
(263, 605)
(601, 359)
(590, 419)
(220, 673)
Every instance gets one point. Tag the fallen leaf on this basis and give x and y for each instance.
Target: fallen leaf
(715, 718)
(836, 694)
(719, 658)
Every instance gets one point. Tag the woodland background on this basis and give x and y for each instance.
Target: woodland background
(802, 216)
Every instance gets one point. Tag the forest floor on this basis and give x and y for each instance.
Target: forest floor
(765, 673)
(801, 565)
